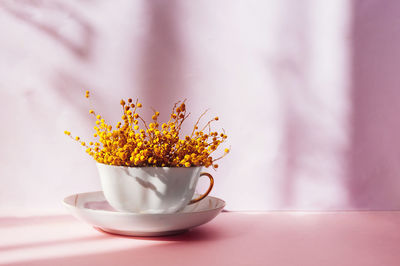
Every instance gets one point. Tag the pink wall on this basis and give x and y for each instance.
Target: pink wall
(306, 91)
(373, 175)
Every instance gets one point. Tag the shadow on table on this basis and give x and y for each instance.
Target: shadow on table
(174, 249)
(9, 222)
(12, 221)
(239, 239)
(197, 234)
(50, 243)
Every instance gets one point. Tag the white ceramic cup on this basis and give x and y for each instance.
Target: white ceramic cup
(150, 189)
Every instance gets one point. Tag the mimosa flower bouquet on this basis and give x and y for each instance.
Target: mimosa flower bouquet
(148, 167)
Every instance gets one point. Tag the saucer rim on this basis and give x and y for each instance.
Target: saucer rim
(67, 205)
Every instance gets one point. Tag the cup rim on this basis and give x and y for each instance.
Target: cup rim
(151, 167)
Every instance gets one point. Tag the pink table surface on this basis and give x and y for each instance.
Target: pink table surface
(232, 238)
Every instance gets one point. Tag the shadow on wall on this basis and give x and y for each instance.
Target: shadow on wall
(48, 17)
(302, 109)
(291, 78)
(374, 170)
(65, 25)
(162, 57)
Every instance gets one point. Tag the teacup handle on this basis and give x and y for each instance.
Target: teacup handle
(208, 190)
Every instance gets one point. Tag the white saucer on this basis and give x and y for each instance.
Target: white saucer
(93, 208)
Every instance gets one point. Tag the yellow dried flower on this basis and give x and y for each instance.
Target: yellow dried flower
(130, 145)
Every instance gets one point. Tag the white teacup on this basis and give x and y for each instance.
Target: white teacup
(150, 189)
